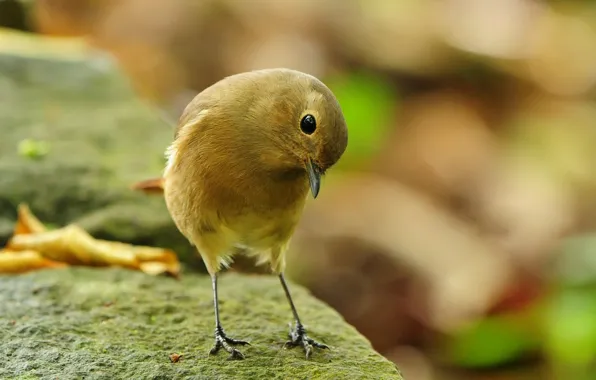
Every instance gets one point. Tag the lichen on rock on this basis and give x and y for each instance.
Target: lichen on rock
(120, 324)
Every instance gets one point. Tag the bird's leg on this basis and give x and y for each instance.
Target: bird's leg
(297, 334)
(221, 340)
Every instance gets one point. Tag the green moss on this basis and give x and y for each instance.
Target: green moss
(114, 323)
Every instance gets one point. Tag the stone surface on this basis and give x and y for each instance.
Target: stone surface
(97, 137)
(118, 324)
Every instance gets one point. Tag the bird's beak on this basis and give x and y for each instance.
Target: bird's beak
(314, 176)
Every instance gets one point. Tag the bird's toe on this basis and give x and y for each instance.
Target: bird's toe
(236, 341)
(225, 342)
(298, 337)
(236, 355)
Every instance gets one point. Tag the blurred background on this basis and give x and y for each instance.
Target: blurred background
(458, 231)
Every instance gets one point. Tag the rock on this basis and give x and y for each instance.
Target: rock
(74, 139)
(114, 323)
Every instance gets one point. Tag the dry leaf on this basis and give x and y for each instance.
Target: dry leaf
(24, 261)
(156, 268)
(73, 245)
(157, 260)
(27, 223)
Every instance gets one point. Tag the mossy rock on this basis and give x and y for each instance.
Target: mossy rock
(118, 324)
(74, 139)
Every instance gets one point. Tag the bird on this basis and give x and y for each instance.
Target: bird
(246, 153)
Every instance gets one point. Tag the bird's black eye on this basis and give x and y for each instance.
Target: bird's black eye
(308, 124)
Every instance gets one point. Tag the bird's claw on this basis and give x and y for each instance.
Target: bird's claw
(223, 341)
(298, 337)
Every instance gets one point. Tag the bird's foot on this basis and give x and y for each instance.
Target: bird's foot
(298, 337)
(223, 341)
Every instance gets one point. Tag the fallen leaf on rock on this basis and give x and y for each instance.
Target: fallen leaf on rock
(25, 261)
(155, 268)
(71, 245)
(27, 223)
(150, 260)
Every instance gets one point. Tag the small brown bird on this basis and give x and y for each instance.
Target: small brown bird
(246, 151)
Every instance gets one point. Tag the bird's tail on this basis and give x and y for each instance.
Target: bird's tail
(150, 186)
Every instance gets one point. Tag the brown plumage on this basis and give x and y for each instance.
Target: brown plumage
(246, 152)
